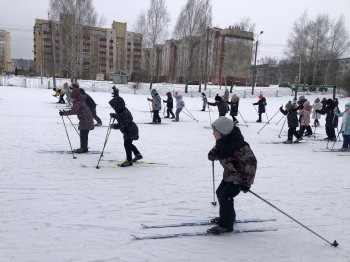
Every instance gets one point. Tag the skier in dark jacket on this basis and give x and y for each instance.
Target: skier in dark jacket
(221, 104)
(92, 105)
(234, 107)
(331, 118)
(86, 122)
(169, 105)
(128, 128)
(261, 106)
(239, 163)
(293, 123)
(205, 101)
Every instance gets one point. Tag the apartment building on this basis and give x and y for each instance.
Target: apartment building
(93, 52)
(5, 52)
(229, 55)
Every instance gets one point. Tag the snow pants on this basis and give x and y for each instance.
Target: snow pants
(84, 138)
(129, 149)
(225, 192)
(156, 118)
(293, 131)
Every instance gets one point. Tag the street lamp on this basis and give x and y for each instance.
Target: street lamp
(255, 69)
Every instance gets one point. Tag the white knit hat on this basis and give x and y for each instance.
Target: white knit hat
(223, 125)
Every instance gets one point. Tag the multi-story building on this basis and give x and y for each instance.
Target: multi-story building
(5, 52)
(229, 56)
(94, 51)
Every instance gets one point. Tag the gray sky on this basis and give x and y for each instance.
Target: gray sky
(274, 17)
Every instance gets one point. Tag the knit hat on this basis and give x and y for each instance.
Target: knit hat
(75, 93)
(218, 98)
(153, 91)
(289, 105)
(261, 96)
(347, 106)
(223, 125)
(317, 100)
(235, 98)
(75, 85)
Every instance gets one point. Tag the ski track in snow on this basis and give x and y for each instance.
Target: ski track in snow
(52, 209)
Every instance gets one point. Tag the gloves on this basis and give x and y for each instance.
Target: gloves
(212, 156)
(113, 115)
(244, 188)
(61, 113)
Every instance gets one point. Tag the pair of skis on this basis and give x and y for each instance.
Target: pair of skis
(202, 233)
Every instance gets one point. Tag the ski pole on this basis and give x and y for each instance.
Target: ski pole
(243, 118)
(209, 114)
(256, 110)
(214, 202)
(315, 131)
(268, 122)
(192, 116)
(280, 120)
(73, 125)
(279, 135)
(189, 116)
(335, 141)
(150, 110)
(107, 136)
(74, 157)
(334, 244)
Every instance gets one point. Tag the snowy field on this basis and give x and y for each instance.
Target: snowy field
(54, 209)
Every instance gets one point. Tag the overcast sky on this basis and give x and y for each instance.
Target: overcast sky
(274, 17)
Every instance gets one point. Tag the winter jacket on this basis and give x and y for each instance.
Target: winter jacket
(156, 101)
(124, 119)
(345, 128)
(292, 116)
(59, 92)
(261, 105)
(86, 122)
(179, 102)
(88, 99)
(316, 106)
(305, 113)
(234, 107)
(331, 118)
(222, 107)
(236, 157)
(204, 99)
(169, 102)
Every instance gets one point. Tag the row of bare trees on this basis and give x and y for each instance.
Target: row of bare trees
(314, 45)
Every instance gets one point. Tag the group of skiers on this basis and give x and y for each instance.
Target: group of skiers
(156, 106)
(231, 150)
(303, 108)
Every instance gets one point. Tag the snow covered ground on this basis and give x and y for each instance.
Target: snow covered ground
(54, 209)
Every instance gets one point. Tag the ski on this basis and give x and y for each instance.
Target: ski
(344, 154)
(151, 123)
(202, 233)
(135, 163)
(118, 166)
(283, 142)
(68, 152)
(327, 150)
(205, 223)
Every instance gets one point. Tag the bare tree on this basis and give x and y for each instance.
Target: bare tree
(72, 15)
(245, 25)
(153, 25)
(192, 22)
(338, 44)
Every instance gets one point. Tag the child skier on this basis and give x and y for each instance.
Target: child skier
(221, 104)
(205, 101)
(261, 106)
(234, 108)
(92, 105)
(128, 128)
(157, 106)
(68, 92)
(316, 106)
(86, 122)
(305, 119)
(331, 119)
(59, 93)
(345, 127)
(169, 105)
(293, 123)
(180, 104)
(239, 163)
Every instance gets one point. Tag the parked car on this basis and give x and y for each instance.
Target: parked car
(285, 85)
(193, 82)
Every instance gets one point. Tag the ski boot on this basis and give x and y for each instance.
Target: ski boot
(137, 157)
